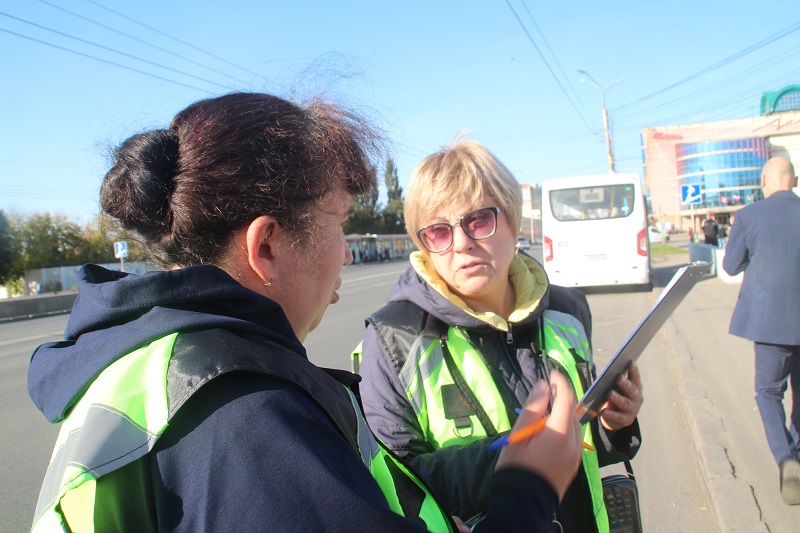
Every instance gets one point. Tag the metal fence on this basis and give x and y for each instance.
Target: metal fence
(65, 279)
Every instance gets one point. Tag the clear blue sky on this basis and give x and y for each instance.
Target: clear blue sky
(503, 71)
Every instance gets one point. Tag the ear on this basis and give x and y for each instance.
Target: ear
(261, 242)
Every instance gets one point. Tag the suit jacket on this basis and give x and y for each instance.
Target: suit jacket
(764, 242)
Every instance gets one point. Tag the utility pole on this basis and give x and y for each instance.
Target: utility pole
(602, 90)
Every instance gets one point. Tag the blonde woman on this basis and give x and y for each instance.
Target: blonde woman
(468, 331)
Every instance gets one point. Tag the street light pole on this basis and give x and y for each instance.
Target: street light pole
(602, 90)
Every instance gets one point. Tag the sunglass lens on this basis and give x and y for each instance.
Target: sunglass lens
(480, 224)
(437, 237)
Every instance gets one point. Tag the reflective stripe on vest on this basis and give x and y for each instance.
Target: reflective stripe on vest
(564, 335)
(425, 373)
(405, 493)
(119, 420)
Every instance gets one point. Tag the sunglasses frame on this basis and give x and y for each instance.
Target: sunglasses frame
(496, 210)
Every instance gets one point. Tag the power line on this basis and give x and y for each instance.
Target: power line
(142, 41)
(691, 42)
(171, 37)
(48, 193)
(555, 58)
(743, 103)
(90, 43)
(769, 40)
(546, 64)
(749, 94)
(544, 144)
(105, 61)
(39, 163)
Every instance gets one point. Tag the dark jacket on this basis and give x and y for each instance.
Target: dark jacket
(459, 474)
(710, 229)
(764, 243)
(247, 452)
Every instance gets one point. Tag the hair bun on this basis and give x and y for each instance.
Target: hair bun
(138, 189)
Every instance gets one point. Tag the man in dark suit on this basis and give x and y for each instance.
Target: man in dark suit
(764, 241)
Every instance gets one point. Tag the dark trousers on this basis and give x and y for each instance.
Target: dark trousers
(775, 364)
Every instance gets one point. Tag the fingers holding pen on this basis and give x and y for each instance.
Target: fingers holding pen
(555, 451)
(537, 405)
(563, 418)
(564, 401)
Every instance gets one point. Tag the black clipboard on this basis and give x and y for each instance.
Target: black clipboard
(672, 295)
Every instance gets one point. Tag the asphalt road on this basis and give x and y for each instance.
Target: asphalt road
(677, 493)
(27, 438)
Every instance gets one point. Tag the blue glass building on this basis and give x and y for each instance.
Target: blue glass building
(728, 172)
(722, 159)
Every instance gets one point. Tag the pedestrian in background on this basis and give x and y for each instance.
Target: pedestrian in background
(764, 243)
(710, 230)
(722, 235)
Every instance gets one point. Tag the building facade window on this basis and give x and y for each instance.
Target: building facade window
(728, 172)
(789, 101)
(780, 101)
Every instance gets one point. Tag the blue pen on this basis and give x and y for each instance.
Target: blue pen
(499, 443)
(502, 441)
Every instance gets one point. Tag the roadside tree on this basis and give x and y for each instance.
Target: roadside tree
(393, 221)
(366, 216)
(8, 251)
(44, 240)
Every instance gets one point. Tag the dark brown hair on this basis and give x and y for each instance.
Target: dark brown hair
(224, 162)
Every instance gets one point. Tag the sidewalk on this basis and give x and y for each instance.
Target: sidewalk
(716, 371)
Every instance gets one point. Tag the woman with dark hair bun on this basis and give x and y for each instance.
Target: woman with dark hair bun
(186, 398)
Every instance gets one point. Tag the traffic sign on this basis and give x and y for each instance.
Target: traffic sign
(120, 249)
(690, 194)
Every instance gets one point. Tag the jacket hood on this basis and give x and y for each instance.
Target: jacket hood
(116, 313)
(422, 285)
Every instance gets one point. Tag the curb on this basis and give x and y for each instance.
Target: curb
(733, 504)
(34, 315)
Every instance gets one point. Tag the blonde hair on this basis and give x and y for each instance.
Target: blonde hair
(460, 173)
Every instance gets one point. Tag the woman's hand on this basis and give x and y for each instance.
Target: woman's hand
(555, 452)
(624, 401)
(460, 525)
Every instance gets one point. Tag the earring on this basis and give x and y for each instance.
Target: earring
(268, 284)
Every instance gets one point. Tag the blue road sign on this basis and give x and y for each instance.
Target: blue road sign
(690, 194)
(120, 249)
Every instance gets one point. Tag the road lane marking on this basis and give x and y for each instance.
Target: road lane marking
(60, 335)
(373, 276)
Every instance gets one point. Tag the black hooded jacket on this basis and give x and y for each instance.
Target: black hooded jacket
(246, 452)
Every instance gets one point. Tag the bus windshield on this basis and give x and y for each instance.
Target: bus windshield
(592, 203)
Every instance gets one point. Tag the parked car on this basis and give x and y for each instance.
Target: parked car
(523, 243)
(655, 235)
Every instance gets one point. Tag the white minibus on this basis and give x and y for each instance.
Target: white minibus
(595, 231)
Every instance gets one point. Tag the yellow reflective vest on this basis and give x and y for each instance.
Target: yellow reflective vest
(121, 416)
(437, 370)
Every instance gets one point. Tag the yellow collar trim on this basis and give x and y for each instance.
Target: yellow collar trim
(527, 277)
